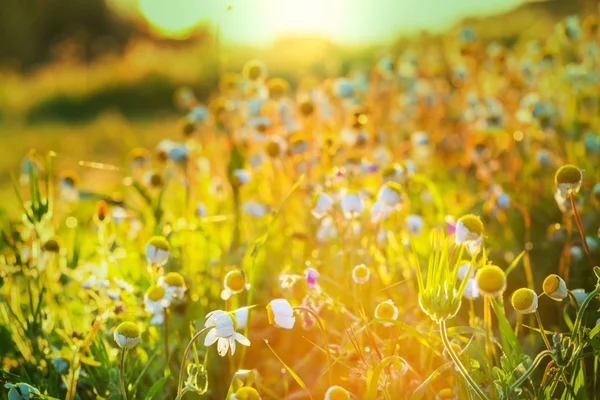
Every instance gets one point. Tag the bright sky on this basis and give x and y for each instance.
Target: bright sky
(261, 21)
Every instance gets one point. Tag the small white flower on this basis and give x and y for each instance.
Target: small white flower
(352, 205)
(327, 230)
(174, 286)
(123, 285)
(127, 335)
(471, 289)
(390, 194)
(241, 317)
(223, 332)
(321, 205)
(157, 250)
(255, 209)
(113, 294)
(414, 224)
(380, 211)
(579, 295)
(281, 314)
(156, 300)
(242, 176)
(361, 274)
(387, 310)
(469, 231)
(337, 393)
(90, 282)
(201, 210)
(502, 200)
(463, 269)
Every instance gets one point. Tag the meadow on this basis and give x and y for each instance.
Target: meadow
(414, 224)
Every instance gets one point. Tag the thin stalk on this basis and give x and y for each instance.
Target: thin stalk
(461, 368)
(122, 373)
(542, 332)
(581, 231)
(186, 352)
(325, 340)
(526, 259)
(373, 383)
(581, 311)
(166, 336)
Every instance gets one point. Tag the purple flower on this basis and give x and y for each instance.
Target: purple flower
(311, 275)
(450, 224)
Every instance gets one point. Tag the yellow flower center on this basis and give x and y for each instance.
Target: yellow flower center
(568, 174)
(388, 172)
(446, 394)
(307, 108)
(278, 87)
(159, 242)
(361, 271)
(235, 281)
(273, 149)
(339, 393)
(491, 279)
(247, 393)
(385, 310)
(523, 299)
(551, 284)
(473, 223)
(174, 279)
(156, 292)
(128, 329)
(52, 245)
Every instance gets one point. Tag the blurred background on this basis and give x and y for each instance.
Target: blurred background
(90, 79)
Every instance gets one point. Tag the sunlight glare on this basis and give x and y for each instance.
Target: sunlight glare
(175, 18)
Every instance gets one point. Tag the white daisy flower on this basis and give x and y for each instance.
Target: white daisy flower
(321, 205)
(387, 310)
(471, 289)
(127, 335)
(555, 287)
(241, 176)
(414, 224)
(241, 317)
(223, 332)
(157, 250)
(174, 285)
(155, 300)
(361, 274)
(337, 393)
(469, 231)
(352, 205)
(281, 314)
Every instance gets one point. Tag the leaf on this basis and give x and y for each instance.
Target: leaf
(510, 343)
(594, 331)
(514, 264)
(90, 361)
(420, 391)
(156, 387)
(298, 380)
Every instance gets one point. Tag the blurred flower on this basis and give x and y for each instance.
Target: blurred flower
(321, 204)
(469, 231)
(386, 310)
(390, 194)
(463, 269)
(311, 276)
(337, 393)
(234, 283)
(157, 250)
(414, 224)
(568, 180)
(327, 230)
(281, 314)
(241, 317)
(579, 295)
(361, 274)
(446, 394)
(201, 210)
(245, 393)
(524, 301)
(352, 205)
(241, 176)
(255, 209)
(471, 290)
(178, 153)
(155, 301)
(223, 332)
(127, 335)
(174, 285)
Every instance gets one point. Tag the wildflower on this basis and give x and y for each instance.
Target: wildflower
(178, 153)
(254, 70)
(201, 210)
(352, 205)
(281, 314)
(255, 208)
(311, 276)
(246, 393)
(157, 250)
(321, 205)
(337, 393)
(21, 391)
(174, 285)
(414, 224)
(153, 179)
(390, 194)
(234, 283)
(361, 274)
(491, 280)
(568, 180)
(502, 200)
(68, 186)
(327, 230)
(127, 335)
(277, 88)
(463, 269)
(155, 301)
(469, 231)
(138, 157)
(241, 177)
(471, 290)
(393, 173)
(555, 287)
(576, 253)
(387, 310)
(223, 332)
(241, 317)
(524, 301)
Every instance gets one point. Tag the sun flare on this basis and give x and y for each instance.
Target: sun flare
(175, 18)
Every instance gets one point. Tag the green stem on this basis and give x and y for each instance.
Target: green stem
(538, 359)
(461, 368)
(166, 336)
(581, 311)
(325, 340)
(542, 332)
(581, 231)
(122, 374)
(374, 381)
(186, 352)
